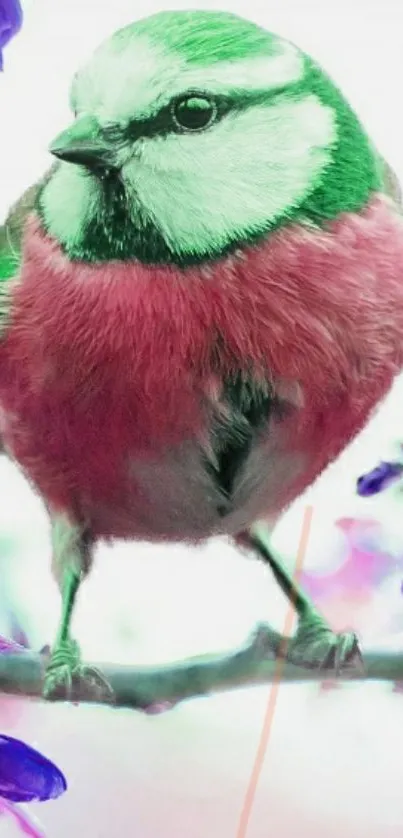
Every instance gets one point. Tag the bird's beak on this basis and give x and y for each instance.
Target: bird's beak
(83, 144)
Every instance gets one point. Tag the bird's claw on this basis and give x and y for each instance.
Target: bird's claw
(67, 677)
(316, 646)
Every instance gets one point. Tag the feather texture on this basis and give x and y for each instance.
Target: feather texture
(112, 377)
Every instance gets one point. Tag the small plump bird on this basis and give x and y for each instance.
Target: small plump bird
(208, 303)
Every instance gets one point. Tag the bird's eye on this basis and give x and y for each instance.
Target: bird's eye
(194, 112)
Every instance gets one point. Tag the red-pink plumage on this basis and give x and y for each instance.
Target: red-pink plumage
(107, 364)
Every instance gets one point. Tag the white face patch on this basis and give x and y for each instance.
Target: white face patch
(245, 172)
(69, 199)
(141, 78)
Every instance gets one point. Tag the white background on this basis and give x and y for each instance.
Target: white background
(335, 761)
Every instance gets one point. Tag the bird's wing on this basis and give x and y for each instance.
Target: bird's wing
(12, 231)
(10, 251)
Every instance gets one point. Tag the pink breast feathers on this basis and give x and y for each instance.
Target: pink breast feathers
(102, 360)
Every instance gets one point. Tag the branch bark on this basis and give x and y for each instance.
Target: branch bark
(150, 687)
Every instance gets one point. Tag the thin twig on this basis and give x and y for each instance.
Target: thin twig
(143, 686)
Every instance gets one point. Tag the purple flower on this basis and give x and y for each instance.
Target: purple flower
(379, 478)
(10, 646)
(26, 775)
(10, 23)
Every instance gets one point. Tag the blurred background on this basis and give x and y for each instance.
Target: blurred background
(334, 761)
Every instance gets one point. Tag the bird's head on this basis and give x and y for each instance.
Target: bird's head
(194, 133)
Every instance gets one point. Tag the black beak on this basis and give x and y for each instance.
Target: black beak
(83, 144)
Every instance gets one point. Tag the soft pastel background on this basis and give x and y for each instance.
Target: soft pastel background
(335, 758)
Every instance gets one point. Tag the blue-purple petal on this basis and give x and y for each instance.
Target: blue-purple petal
(379, 478)
(26, 775)
(10, 20)
(10, 23)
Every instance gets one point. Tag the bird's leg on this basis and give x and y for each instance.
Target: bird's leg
(314, 645)
(71, 560)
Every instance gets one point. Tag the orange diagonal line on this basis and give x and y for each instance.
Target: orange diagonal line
(274, 691)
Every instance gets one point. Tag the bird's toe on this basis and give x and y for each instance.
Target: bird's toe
(316, 646)
(67, 677)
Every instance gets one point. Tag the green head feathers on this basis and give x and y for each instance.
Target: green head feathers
(203, 38)
(196, 133)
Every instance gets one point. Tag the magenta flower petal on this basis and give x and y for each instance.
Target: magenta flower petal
(27, 824)
(10, 646)
(26, 775)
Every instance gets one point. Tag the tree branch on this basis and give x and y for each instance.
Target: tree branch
(149, 687)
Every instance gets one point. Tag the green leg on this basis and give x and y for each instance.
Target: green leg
(66, 675)
(70, 586)
(315, 645)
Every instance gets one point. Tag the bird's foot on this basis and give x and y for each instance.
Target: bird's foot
(67, 677)
(316, 646)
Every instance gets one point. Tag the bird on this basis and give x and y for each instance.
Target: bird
(201, 305)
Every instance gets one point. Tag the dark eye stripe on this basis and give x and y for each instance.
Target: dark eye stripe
(162, 123)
